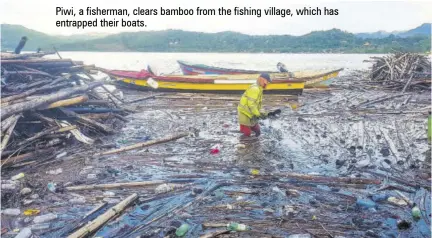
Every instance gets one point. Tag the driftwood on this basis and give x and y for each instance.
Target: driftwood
(115, 185)
(20, 107)
(102, 219)
(144, 144)
(8, 134)
(330, 179)
(37, 90)
(401, 71)
(8, 122)
(68, 102)
(22, 157)
(88, 121)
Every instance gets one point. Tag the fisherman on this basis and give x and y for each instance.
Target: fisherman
(250, 106)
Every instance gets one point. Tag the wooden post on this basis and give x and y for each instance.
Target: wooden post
(115, 185)
(21, 45)
(144, 144)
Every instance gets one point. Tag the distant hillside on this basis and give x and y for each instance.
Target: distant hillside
(423, 30)
(11, 35)
(330, 41)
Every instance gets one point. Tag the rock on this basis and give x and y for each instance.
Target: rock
(25, 191)
(11, 212)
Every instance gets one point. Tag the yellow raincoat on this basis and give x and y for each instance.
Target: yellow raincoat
(250, 106)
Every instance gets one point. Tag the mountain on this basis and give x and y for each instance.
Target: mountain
(329, 41)
(423, 30)
(11, 35)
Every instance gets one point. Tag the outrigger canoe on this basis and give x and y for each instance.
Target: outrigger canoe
(314, 79)
(196, 69)
(145, 80)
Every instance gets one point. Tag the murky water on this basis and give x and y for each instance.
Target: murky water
(167, 62)
(304, 140)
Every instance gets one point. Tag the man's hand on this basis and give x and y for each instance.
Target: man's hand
(263, 115)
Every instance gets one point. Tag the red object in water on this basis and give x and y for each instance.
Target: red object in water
(214, 151)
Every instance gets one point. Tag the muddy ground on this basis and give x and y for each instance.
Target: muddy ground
(340, 132)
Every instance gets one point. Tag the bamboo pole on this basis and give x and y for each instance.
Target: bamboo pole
(22, 157)
(8, 134)
(144, 144)
(8, 122)
(86, 120)
(115, 185)
(21, 107)
(102, 219)
(67, 102)
(330, 179)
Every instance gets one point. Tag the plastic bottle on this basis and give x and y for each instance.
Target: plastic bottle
(365, 203)
(233, 226)
(379, 197)
(40, 227)
(45, 218)
(18, 176)
(182, 230)
(12, 212)
(24, 233)
(416, 213)
(254, 171)
(52, 187)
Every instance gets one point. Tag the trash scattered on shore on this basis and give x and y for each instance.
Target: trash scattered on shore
(349, 161)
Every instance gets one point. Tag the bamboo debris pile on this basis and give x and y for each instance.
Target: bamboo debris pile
(401, 71)
(48, 102)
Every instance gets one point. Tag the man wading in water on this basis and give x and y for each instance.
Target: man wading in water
(250, 106)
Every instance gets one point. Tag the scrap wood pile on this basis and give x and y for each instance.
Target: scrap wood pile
(401, 71)
(47, 103)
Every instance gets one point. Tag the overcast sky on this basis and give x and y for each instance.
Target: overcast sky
(354, 16)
